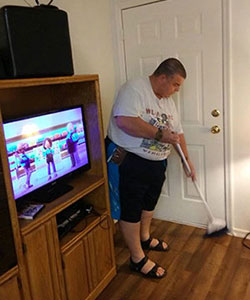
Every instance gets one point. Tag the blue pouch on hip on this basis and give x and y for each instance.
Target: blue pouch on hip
(113, 178)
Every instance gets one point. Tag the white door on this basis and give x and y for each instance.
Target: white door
(192, 31)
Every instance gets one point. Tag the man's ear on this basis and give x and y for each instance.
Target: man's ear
(163, 77)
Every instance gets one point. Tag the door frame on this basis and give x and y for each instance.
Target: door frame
(117, 6)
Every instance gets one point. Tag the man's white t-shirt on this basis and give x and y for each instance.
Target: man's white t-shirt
(137, 99)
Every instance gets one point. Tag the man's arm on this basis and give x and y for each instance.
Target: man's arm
(185, 152)
(137, 127)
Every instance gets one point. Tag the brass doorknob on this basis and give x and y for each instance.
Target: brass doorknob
(215, 113)
(215, 129)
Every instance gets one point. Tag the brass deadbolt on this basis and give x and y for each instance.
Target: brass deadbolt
(215, 113)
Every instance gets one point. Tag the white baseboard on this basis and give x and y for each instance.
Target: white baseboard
(240, 233)
(237, 232)
(181, 222)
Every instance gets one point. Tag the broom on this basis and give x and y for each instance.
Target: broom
(215, 226)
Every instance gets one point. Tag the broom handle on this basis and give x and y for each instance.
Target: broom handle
(210, 215)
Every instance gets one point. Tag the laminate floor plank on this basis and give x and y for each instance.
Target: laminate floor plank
(240, 281)
(224, 278)
(207, 272)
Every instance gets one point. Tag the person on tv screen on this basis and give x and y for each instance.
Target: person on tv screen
(25, 162)
(49, 152)
(71, 142)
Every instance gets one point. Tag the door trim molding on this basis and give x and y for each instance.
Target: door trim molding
(117, 7)
(227, 103)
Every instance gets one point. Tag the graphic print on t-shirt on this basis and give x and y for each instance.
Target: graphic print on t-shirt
(151, 146)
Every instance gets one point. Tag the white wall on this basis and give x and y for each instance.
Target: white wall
(91, 41)
(241, 113)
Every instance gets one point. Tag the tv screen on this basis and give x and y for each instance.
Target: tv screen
(43, 149)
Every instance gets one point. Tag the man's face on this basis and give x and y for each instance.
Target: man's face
(168, 85)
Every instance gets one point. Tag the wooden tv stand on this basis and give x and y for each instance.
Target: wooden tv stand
(81, 264)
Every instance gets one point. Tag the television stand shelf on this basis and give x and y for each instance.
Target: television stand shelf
(82, 186)
(79, 265)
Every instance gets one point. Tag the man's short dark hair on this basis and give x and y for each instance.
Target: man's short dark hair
(170, 67)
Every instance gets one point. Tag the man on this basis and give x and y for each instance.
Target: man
(145, 123)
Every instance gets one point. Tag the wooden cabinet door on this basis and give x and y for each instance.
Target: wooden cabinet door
(75, 272)
(41, 263)
(9, 290)
(100, 252)
(88, 262)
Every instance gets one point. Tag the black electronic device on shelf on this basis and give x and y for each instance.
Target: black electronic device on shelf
(71, 216)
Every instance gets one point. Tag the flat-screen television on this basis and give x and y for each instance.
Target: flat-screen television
(43, 150)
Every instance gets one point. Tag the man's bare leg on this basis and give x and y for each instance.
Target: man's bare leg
(146, 219)
(131, 234)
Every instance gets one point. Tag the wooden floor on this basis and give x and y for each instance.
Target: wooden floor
(198, 268)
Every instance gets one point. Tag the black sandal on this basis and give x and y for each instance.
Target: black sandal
(159, 247)
(151, 273)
